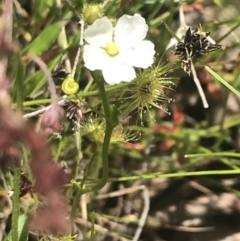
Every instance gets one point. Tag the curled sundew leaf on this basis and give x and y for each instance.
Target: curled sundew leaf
(70, 86)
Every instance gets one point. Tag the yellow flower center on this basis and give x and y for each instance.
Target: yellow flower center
(112, 49)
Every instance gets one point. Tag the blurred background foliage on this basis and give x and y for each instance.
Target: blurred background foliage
(203, 206)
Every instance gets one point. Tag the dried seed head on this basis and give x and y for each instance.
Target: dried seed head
(73, 112)
(195, 45)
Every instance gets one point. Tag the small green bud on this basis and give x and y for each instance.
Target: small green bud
(92, 12)
(70, 86)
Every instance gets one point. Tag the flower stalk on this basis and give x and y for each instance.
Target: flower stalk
(110, 125)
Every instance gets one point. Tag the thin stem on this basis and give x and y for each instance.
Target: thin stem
(82, 94)
(199, 87)
(103, 95)
(107, 138)
(63, 38)
(181, 30)
(230, 87)
(214, 154)
(78, 140)
(38, 112)
(182, 17)
(174, 175)
(46, 71)
(86, 89)
(76, 60)
(80, 186)
(105, 166)
(105, 147)
(144, 214)
(98, 228)
(16, 206)
(8, 206)
(72, 7)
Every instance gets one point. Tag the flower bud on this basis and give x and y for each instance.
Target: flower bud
(52, 120)
(70, 86)
(92, 13)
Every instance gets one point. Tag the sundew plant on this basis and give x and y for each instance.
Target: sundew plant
(108, 106)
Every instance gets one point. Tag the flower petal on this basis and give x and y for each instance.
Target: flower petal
(142, 56)
(99, 33)
(94, 57)
(130, 31)
(116, 71)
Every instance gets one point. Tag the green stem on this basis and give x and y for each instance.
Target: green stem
(214, 154)
(78, 139)
(80, 186)
(224, 82)
(82, 94)
(175, 175)
(103, 95)
(15, 212)
(110, 124)
(107, 138)
(19, 84)
(88, 86)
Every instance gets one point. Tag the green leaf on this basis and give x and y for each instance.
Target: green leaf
(171, 32)
(222, 80)
(18, 89)
(22, 229)
(43, 42)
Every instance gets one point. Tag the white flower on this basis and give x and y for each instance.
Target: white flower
(116, 50)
